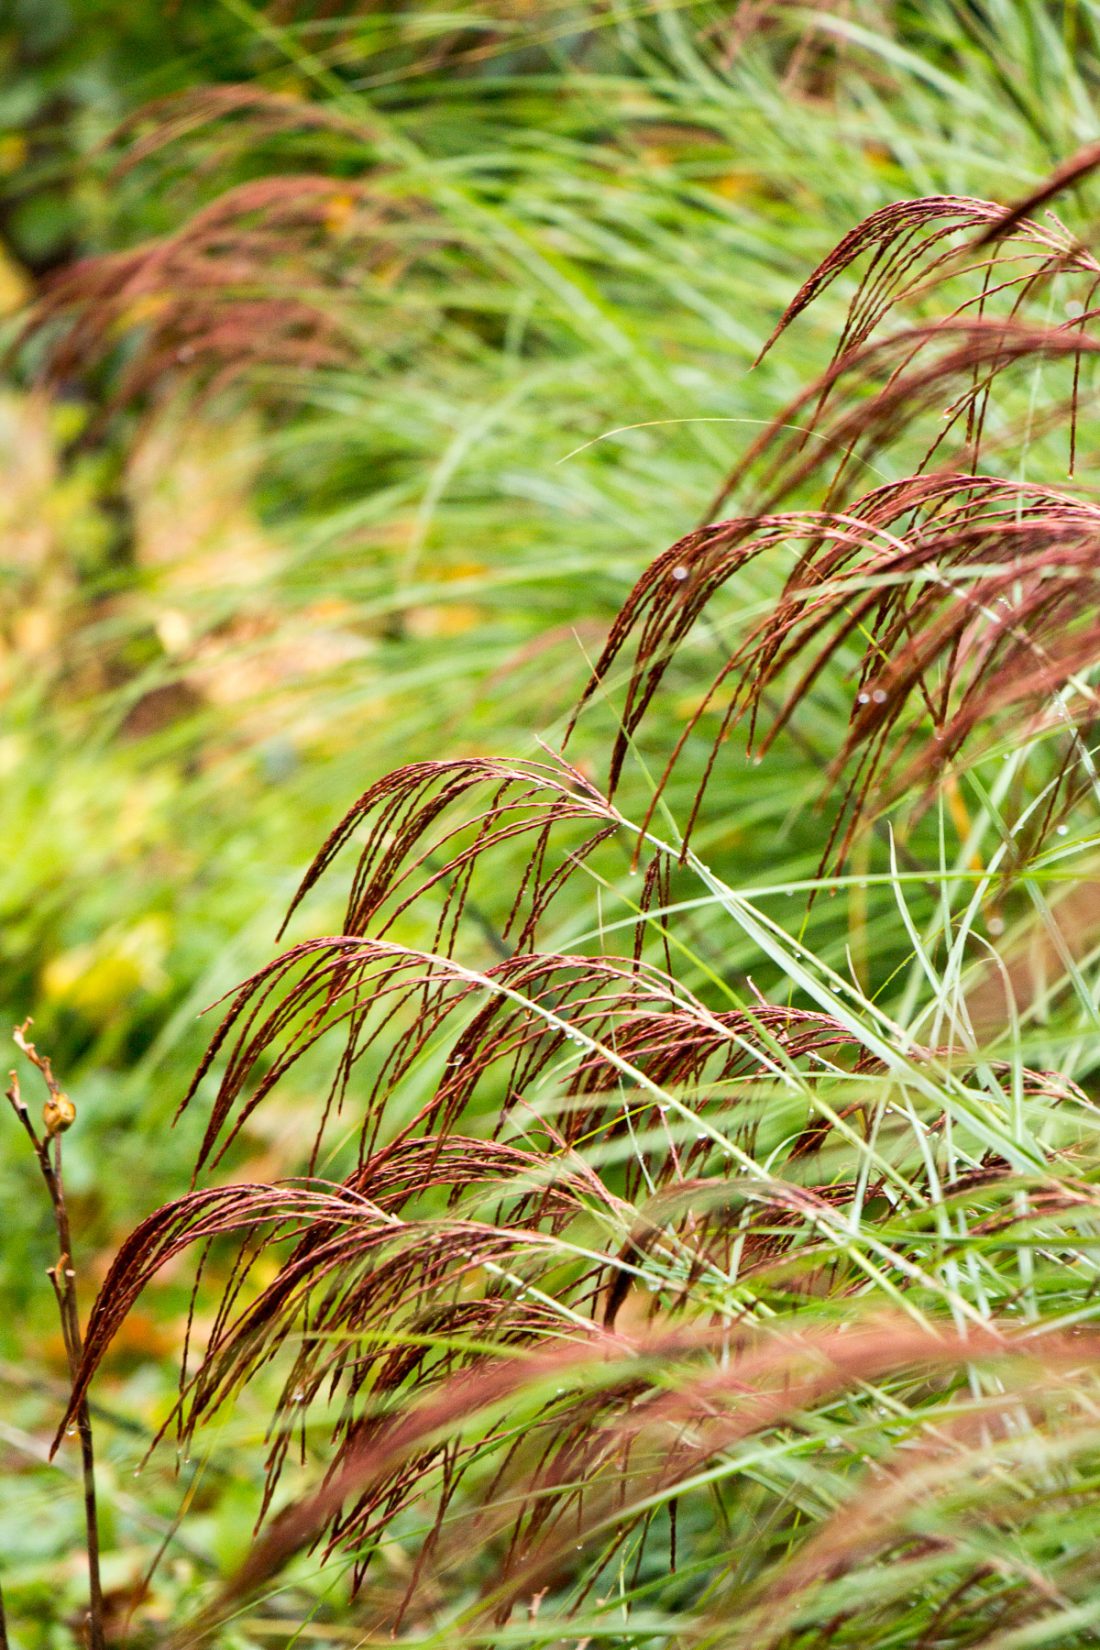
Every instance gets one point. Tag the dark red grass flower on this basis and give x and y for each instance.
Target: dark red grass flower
(250, 280)
(950, 596)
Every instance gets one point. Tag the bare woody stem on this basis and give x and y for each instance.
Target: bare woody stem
(58, 1114)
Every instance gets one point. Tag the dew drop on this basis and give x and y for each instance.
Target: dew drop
(863, 698)
(996, 925)
(70, 1432)
(1074, 308)
(879, 696)
(679, 572)
(1062, 830)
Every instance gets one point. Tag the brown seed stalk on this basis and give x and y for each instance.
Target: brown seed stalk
(58, 1115)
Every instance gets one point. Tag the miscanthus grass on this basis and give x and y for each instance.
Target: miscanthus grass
(687, 1258)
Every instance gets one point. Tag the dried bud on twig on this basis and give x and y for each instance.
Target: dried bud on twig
(58, 1113)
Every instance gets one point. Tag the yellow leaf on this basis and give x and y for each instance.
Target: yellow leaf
(13, 152)
(102, 976)
(454, 619)
(338, 213)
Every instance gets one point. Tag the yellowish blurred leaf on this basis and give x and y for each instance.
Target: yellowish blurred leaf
(15, 288)
(102, 976)
(36, 631)
(731, 186)
(442, 619)
(144, 308)
(339, 211)
(13, 152)
(189, 485)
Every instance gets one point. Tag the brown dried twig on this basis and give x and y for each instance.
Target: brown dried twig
(58, 1114)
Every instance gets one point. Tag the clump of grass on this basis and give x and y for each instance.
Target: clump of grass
(58, 1116)
(633, 1291)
